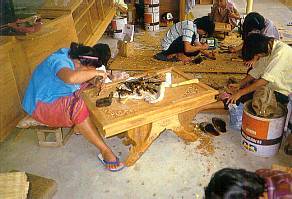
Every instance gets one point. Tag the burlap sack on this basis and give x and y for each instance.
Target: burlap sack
(264, 102)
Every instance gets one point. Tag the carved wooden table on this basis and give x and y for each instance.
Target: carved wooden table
(142, 122)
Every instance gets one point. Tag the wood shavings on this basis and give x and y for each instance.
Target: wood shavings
(206, 146)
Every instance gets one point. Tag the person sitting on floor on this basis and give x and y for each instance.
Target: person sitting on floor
(224, 11)
(183, 39)
(256, 23)
(53, 94)
(272, 68)
(231, 183)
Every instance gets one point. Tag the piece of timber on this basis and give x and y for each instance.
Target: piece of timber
(191, 81)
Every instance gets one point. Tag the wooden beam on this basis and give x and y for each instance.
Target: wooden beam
(249, 5)
(182, 10)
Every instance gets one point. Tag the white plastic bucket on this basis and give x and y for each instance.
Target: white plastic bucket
(152, 26)
(151, 8)
(118, 23)
(151, 17)
(151, 2)
(261, 136)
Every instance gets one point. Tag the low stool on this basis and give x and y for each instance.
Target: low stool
(58, 136)
(40, 187)
(47, 136)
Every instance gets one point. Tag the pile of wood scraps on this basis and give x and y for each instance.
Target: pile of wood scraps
(13, 185)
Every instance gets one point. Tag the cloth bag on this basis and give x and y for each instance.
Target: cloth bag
(264, 102)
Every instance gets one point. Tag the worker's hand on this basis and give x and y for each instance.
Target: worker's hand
(204, 46)
(250, 63)
(232, 49)
(233, 15)
(233, 98)
(101, 73)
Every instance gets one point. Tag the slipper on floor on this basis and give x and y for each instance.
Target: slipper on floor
(116, 163)
(219, 124)
(208, 128)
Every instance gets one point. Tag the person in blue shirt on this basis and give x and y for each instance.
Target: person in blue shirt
(53, 94)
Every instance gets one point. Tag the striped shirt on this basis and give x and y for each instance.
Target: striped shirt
(186, 29)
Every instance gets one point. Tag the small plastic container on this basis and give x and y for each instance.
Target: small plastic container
(168, 79)
(235, 113)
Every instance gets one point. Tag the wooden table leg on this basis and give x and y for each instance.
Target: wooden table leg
(142, 137)
(186, 128)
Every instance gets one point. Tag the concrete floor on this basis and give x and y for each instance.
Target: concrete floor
(170, 168)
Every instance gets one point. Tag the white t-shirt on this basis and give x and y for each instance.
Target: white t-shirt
(276, 68)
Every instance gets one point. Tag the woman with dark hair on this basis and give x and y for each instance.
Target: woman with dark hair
(231, 183)
(256, 23)
(53, 94)
(183, 39)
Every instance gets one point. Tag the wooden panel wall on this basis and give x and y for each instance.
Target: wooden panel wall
(18, 58)
(10, 100)
(55, 34)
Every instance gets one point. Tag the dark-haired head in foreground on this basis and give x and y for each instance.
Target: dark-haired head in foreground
(235, 184)
(257, 45)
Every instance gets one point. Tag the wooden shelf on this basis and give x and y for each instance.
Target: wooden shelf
(91, 16)
(86, 9)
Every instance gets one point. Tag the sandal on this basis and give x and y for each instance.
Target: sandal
(219, 124)
(115, 163)
(208, 128)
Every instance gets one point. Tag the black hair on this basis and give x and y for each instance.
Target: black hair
(104, 53)
(235, 184)
(252, 21)
(255, 44)
(86, 54)
(205, 23)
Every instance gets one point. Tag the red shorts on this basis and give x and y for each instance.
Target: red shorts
(63, 112)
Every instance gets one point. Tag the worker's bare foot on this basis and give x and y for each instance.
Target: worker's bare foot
(185, 59)
(171, 56)
(109, 158)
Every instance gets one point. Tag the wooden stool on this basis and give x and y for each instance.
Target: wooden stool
(60, 136)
